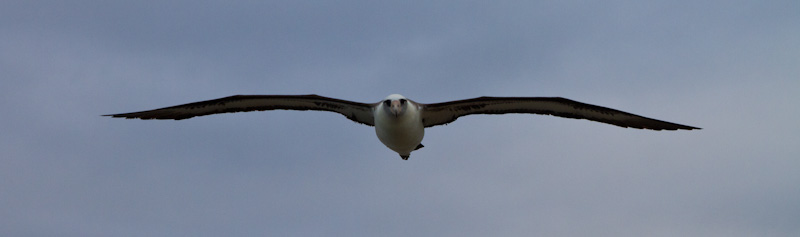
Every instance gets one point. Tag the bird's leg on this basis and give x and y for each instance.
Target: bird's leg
(419, 146)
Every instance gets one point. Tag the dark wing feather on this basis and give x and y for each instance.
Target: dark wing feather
(358, 112)
(443, 113)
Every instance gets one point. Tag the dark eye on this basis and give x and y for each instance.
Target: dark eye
(387, 102)
(402, 101)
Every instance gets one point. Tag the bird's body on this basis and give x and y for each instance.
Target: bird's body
(400, 132)
(399, 122)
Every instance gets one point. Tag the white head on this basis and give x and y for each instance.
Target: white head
(395, 104)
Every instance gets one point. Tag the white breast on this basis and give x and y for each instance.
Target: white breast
(401, 134)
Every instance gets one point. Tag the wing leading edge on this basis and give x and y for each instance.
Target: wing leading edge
(446, 112)
(355, 111)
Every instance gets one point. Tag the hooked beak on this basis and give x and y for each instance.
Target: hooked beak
(396, 107)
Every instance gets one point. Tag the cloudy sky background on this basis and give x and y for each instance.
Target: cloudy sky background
(730, 67)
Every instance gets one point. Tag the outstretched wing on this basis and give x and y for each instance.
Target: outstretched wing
(358, 112)
(443, 113)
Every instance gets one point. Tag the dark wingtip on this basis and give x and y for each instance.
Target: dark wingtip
(684, 127)
(688, 128)
(124, 116)
(117, 116)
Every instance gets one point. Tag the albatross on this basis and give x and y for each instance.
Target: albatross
(400, 122)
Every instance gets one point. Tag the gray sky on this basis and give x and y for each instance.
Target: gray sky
(730, 67)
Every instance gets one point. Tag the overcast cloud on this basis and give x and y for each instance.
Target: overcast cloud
(729, 67)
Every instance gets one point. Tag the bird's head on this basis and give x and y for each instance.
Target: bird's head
(395, 104)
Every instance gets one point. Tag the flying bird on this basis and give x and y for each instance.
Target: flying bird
(399, 122)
